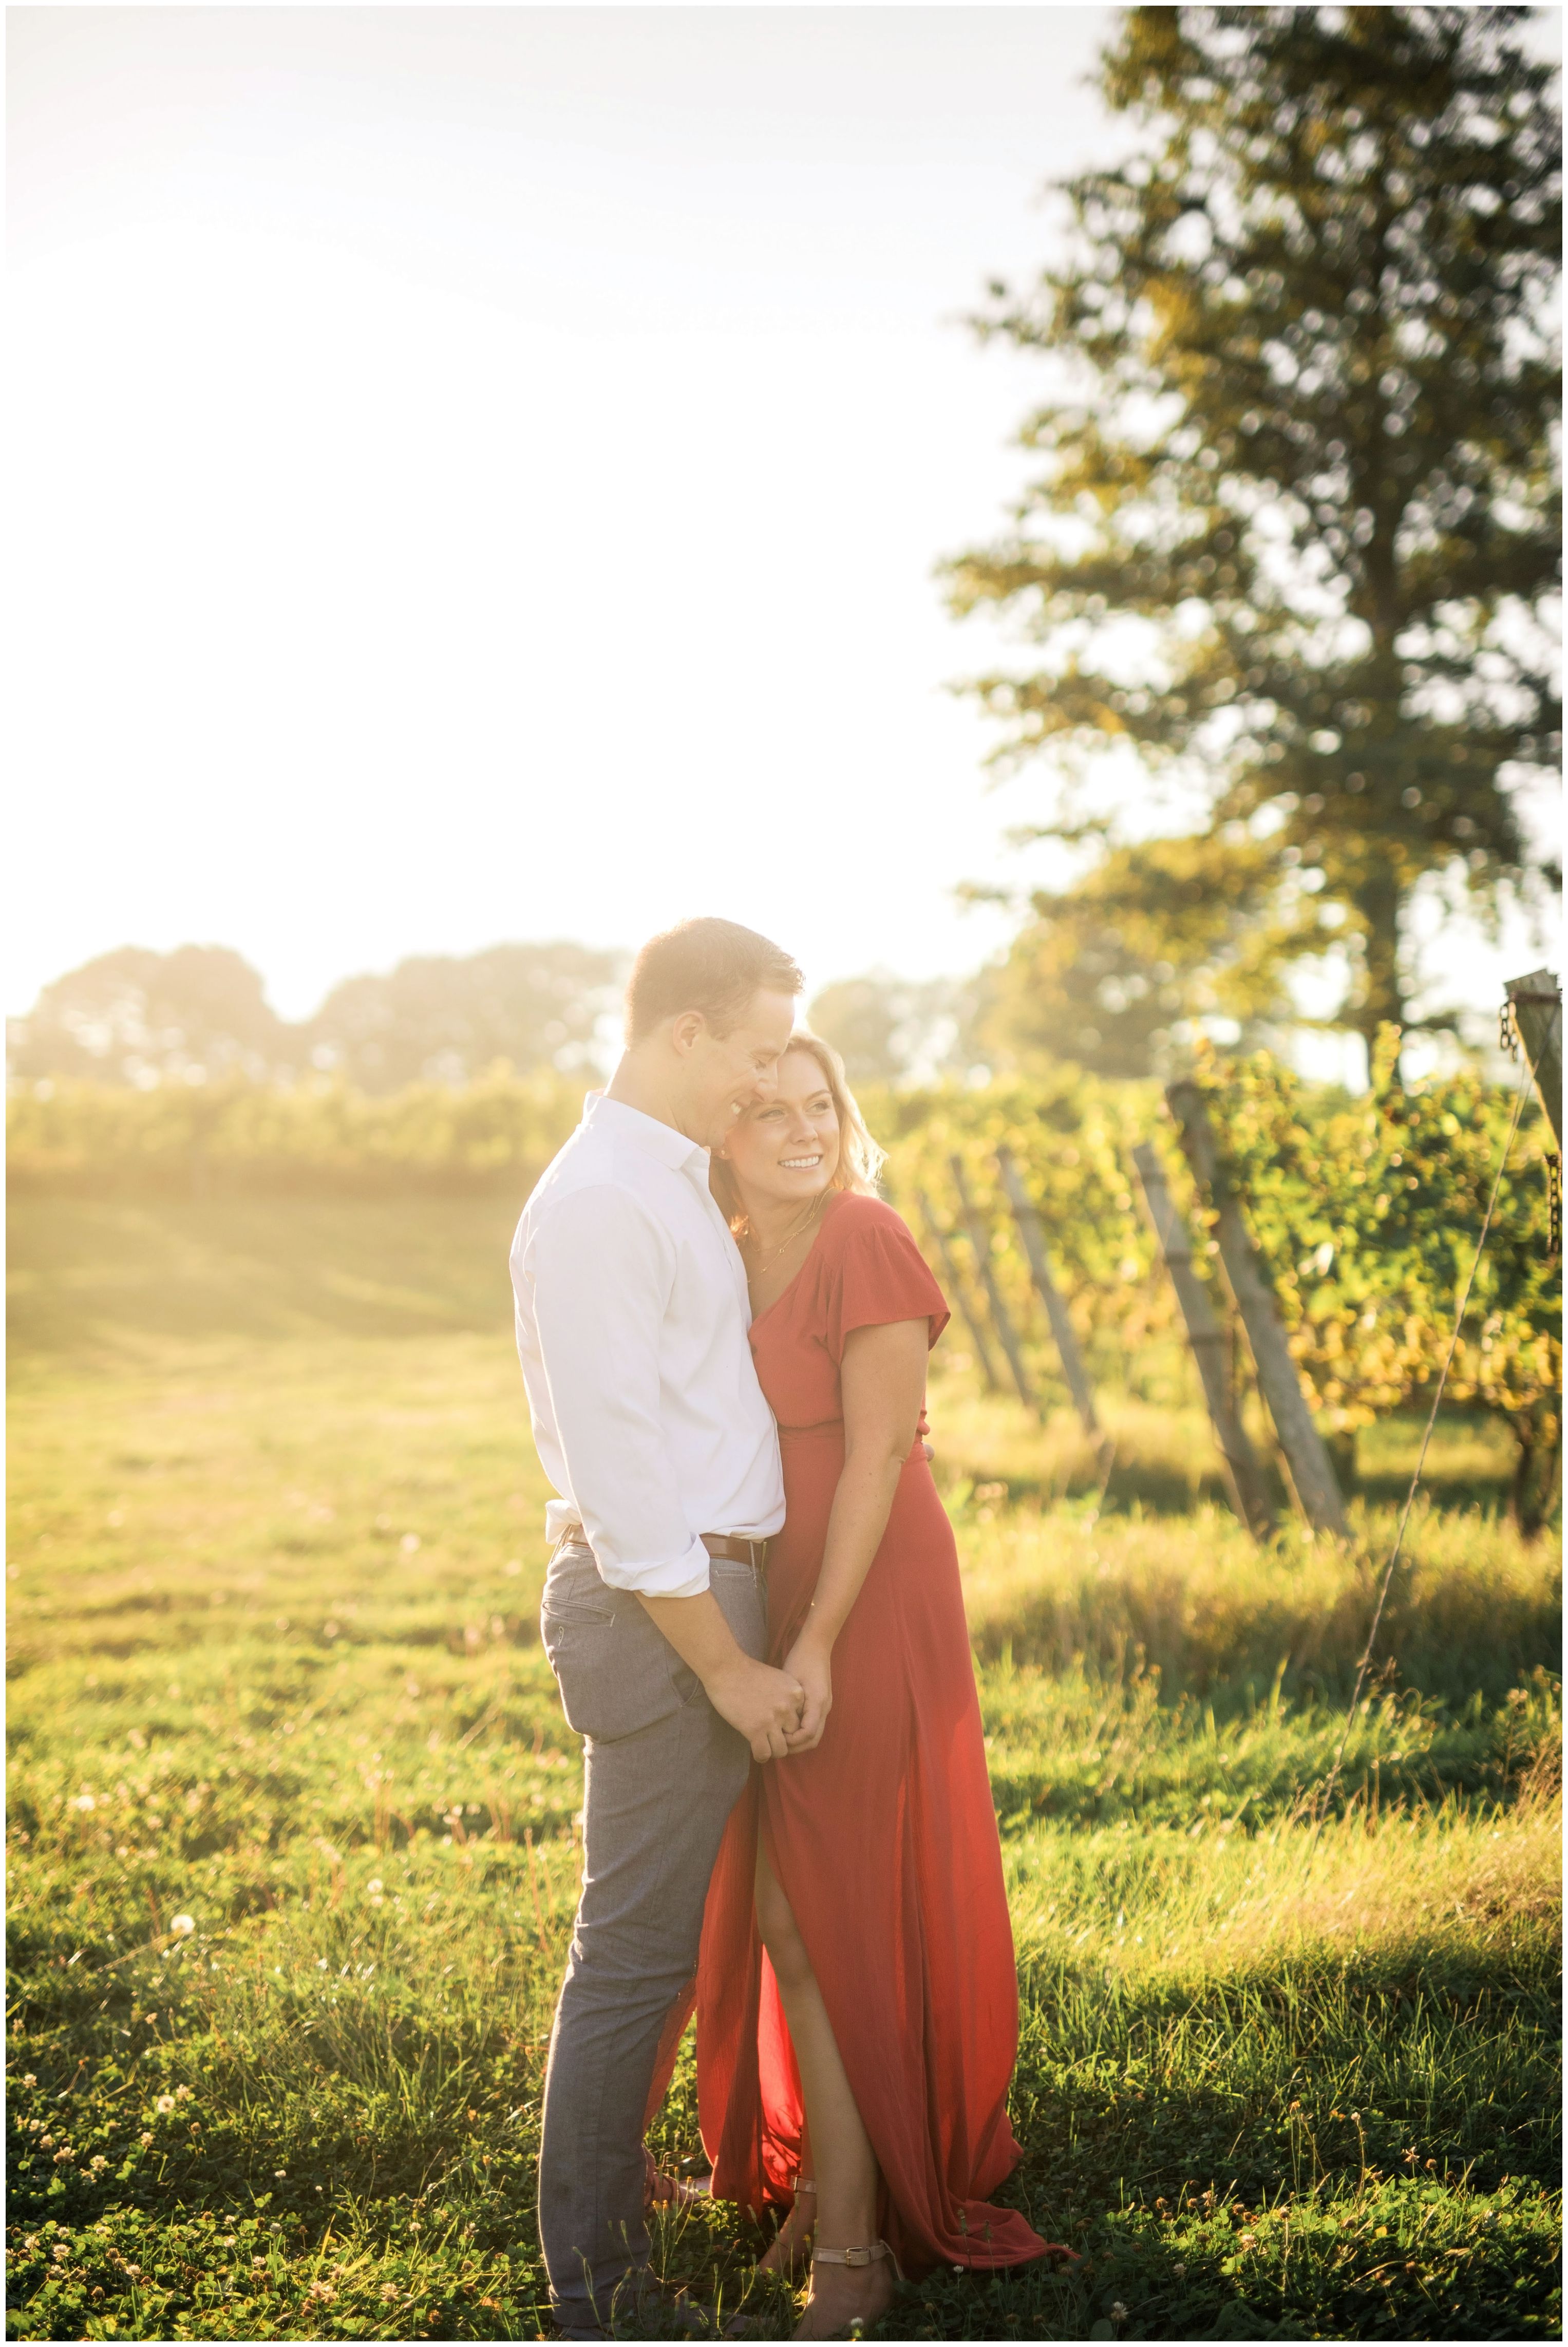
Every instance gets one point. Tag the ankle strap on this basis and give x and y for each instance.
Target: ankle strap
(805, 2184)
(857, 2256)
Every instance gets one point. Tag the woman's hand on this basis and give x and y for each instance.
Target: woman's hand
(884, 1376)
(810, 1664)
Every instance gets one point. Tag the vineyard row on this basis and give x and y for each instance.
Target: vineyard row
(1041, 1204)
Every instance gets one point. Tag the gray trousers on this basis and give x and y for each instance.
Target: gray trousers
(664, 1772)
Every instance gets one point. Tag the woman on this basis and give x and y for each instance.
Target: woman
(856, 1998)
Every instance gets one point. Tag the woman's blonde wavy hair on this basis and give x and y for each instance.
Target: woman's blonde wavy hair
(860, 1158)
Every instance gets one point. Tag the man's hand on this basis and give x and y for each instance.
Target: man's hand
(763, 1704)
(810, 1661)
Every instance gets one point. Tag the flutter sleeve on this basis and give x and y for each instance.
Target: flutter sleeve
(877, 1274)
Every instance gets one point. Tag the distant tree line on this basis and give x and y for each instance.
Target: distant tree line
(200, 1013)
(1115, 976)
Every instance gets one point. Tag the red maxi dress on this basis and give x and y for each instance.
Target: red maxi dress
(884, 1839)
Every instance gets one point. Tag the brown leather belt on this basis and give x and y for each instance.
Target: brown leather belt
(738, 1551)
(734, 1551)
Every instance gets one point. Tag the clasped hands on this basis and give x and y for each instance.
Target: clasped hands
(779, 1712)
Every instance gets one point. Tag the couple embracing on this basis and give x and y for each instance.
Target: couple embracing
(753, 1614)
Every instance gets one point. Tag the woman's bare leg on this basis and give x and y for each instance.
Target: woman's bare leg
(842, 2161)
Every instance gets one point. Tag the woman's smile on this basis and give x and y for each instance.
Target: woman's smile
(786, 1148)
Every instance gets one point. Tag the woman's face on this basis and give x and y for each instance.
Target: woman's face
(783, 1151)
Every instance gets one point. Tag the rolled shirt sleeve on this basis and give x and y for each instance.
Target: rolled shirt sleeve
(601, 1281)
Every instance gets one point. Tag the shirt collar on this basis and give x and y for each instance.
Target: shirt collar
(660, 1141)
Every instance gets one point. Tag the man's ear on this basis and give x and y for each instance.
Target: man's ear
(685, 1030)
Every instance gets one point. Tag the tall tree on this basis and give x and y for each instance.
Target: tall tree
(1297, 524)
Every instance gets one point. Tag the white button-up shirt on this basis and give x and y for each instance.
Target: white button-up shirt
(632, 1316)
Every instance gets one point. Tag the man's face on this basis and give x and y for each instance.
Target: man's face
(727, 1072)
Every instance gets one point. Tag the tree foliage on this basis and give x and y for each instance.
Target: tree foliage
(1118, 972)
(198, 1015)
(889, 1029)
(136, 1017)
(442, 1018)
(1296, 525)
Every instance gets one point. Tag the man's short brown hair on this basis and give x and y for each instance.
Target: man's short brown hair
(713, 967)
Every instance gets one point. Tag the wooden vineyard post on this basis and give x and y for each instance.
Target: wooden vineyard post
(1534, 1005)
(1050, 1295)
(1244, 1477)
(980, 1239)
(1311, 1470)
(958, 1291)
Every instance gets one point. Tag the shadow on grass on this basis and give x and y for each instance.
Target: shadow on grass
(1361, 2146)
(1344, 2146)
(1471, 1464)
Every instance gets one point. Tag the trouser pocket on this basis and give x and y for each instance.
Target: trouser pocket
(617, 1672)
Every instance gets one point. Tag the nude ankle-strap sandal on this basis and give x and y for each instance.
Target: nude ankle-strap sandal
(867, 2256)
(798, 2251)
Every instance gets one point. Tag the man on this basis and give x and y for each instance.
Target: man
(632, 1319)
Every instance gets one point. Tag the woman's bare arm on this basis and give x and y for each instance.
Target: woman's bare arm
(884, 1384)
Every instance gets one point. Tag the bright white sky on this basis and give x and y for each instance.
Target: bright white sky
(478, 473)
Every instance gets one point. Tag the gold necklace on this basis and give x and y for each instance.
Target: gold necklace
(792, 1234)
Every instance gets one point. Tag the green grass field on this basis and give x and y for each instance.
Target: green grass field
(292, 1854)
